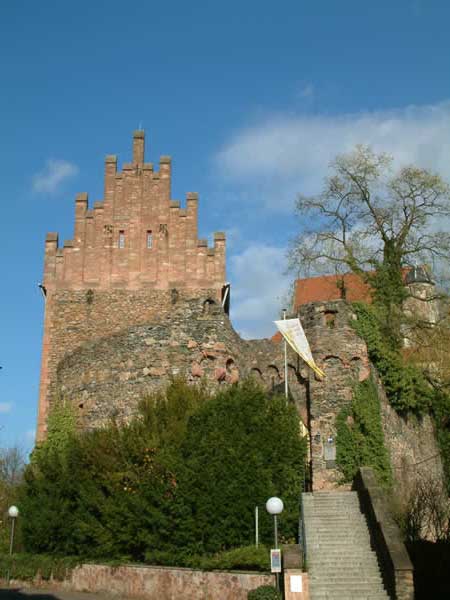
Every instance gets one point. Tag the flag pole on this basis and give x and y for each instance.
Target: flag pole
(286, 390)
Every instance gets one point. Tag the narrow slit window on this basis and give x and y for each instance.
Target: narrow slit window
(121, 238)
(149, 239)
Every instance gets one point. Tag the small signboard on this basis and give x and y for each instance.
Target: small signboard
(330, 450)
(275, 561)
(296, 583)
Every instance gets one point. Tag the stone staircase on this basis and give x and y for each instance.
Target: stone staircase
(340, 561)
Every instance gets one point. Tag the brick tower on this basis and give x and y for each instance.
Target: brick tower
(130, 255)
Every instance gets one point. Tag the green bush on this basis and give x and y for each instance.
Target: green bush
(247, 558)
(184, 478)
(241, 447)
(26, 567)
(264, 592)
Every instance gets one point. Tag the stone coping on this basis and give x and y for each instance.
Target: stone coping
(169, 568)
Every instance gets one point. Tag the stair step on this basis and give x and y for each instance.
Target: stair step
(341, 562)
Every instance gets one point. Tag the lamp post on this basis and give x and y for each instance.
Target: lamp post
(275, 506)
(13, 513)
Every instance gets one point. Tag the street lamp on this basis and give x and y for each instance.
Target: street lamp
(274, 506)
(13, 513)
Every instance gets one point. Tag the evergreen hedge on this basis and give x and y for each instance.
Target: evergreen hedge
(181, 480)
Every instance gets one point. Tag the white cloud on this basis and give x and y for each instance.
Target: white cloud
(53, 175)
(5, 407)
(286, 154)
(261, 287)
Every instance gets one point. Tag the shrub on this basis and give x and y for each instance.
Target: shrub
(26, 567)
(184, 477)
(240, 448)
(264, 592)
(247, 558)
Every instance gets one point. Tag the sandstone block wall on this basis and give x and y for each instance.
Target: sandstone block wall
(412, 446)
(156, 583)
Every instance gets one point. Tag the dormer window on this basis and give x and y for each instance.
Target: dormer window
(149, 239)
(121, 242)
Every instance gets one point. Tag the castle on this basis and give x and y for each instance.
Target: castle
(136, 298)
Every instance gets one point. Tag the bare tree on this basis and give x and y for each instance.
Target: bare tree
(369, 220)
(12, 463)
(425, 513)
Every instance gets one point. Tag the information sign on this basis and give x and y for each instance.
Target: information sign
(275, 561)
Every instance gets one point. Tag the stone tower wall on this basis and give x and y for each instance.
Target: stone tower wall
(130, 256)
(343, 356)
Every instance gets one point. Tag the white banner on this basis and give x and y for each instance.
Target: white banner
(292, 331)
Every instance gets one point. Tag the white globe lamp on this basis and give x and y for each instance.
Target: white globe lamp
(274, 506)
(13, 513)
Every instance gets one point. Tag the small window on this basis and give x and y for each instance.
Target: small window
(149, 239)
(121, 238)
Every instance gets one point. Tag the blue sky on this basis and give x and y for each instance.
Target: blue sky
(252, 99)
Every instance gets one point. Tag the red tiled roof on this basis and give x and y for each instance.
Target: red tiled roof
(276, 338)
(326, 287)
